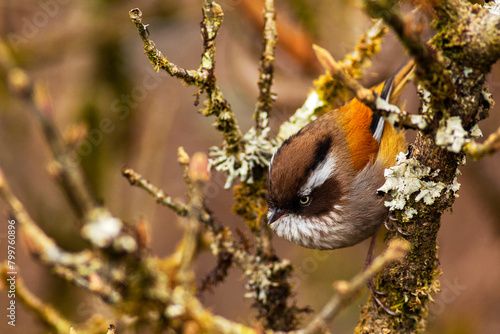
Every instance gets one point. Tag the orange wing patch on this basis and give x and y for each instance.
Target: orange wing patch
(355, 119)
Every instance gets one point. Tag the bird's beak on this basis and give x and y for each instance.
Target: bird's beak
(274, 215)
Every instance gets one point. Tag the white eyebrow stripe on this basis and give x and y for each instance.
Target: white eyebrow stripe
(319, 175)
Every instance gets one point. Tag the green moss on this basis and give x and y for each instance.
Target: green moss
(331, 91)
(251, 202)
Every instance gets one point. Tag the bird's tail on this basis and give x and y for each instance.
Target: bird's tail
(393, 141)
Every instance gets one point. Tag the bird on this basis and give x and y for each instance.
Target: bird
(323, 180)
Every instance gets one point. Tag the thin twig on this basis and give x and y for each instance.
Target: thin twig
(387, 11)
(429, 69)
(156, 57)
(206, 321)
(325, 58)
(69, 172)
(178, 207)
(45, 312)
(367, 45)
(212, 20)
(478, 151)
(347, 290)
(328, 90)
(137, 180)
(294, 38)
(203, 77)
(266, 97)
(198, 176)
(65, 264)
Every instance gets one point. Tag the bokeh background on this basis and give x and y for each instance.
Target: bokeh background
(91, 59)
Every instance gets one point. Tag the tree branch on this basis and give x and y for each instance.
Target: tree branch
(47, 314)
(450, 74)
(429, 68)
(178, 207)
(203, 77)
(190, 77)
(68, 170)
(266, 97)
(44, 248)
(478, 151)
(198, 176)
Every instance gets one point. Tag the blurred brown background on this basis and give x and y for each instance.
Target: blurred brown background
(91, 59)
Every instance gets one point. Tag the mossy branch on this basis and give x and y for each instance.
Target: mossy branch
(266, 97)
(450, 74)
(429, 67)
(203, 77)
(159, 62)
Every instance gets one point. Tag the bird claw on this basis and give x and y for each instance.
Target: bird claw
(371, 285)
(376, 301)
(387, 226)
(391, 223)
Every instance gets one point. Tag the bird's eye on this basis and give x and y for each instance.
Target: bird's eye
(305, 200)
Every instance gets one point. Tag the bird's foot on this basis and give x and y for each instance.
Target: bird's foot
(376, 301)
(392, 223)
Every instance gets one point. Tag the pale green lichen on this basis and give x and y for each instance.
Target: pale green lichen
(493, 7)
(102, 228)
(452, 136)
(425, 97)
(410, 212)
(303, 116)
(395, 116)
(392, 119)
(384, 105)
(174, 311)
(488, 97)
(125, 243)
(407, 179)
(258, 147)
(257, 152)
(419, 121)
(455, 186)
(259, 282)
(475, 132)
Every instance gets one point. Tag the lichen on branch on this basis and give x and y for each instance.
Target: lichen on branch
(450, 75)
